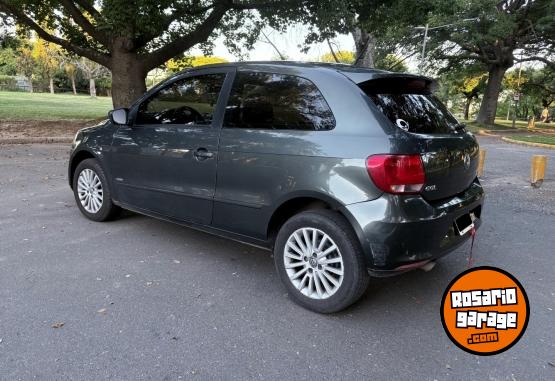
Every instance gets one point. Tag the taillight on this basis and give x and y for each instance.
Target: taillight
(397, 173)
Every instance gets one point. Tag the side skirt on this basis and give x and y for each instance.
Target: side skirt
(261, 244)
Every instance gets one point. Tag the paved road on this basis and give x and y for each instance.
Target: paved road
(145, 299)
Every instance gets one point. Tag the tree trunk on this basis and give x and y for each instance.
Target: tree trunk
(30, 84)
(365, 47)
(467, 108)
(51, 85)
(488, 107)
(128, 79)
(92, 87)
(73, 85)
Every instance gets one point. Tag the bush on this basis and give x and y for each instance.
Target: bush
(8, 82)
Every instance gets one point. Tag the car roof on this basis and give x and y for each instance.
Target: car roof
(355, 73)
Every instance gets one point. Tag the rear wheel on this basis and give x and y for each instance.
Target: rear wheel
(320, 261)
(92, 193)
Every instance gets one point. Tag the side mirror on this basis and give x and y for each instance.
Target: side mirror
(119, 115)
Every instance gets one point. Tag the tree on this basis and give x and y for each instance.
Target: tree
(26, 64)
(542, 83)
(378, 27)
(8, 53)
(470, 87)
(342, 56)
(505, 32)
(365, 47)
(391, 62)
(46, 58)
(538, 89)
(133, 37)
(180, 63)
(8, 61)
(333, 17)
(91, 71)
(71, 71)
(468, 82)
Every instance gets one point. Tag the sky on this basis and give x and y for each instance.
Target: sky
(288, 44)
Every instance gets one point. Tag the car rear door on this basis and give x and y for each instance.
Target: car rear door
(166, 160)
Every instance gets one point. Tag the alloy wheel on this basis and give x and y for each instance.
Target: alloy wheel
(89, 189)
(313, 263)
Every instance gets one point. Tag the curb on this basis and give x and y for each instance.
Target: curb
(37, 140)
(529, 144)
(486, 133)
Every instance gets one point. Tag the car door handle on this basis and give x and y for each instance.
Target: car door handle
(203, 153)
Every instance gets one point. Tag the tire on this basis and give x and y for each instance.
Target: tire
(348, 259)
(107, 210)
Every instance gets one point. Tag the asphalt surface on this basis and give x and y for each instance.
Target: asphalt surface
(144, 299)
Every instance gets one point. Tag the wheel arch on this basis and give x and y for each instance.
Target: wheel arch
(295, 204)
(77, 158)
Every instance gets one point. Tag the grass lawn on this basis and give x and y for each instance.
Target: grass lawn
(45, 106)
(544, 139)
(475, 127)
(503, 124)
(523, 124)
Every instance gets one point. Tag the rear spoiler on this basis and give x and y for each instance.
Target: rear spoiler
(382, 82)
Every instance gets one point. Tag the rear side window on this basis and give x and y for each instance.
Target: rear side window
(411, 107)
(276, 101)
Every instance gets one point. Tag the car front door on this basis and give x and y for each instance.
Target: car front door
(165, 160)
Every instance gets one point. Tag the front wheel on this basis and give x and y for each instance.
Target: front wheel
(320, 261)
(92, 192)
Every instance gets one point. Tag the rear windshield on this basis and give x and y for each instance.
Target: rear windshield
(411, 108)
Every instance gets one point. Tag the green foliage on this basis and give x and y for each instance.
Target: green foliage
(540, 85)
(344, 56)
(26, 61)
(46, 58)
(537, 89)
(8, 61)
(514, 80)
(10, 41)
(165, 27)
(7, 82)
(461, 86)
(500, 29)
(180, 63)
(391, 62)
(133, 37)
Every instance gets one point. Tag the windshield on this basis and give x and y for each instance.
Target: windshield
(417, 113)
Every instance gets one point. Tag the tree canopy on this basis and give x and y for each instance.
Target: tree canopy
(504, 33)
(180, 63)
(495, 34)
(132, 37)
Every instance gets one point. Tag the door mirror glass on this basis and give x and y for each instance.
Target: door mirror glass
(119, 116)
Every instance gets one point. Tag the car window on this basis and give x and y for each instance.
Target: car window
(418, 113)
(276, 101)
(188, 101)
(410, 105)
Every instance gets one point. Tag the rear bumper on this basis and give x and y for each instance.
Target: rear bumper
(398, 233)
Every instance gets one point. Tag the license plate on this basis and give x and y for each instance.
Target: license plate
(465, 223)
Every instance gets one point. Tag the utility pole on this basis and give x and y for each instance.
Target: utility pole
(423, 55)
(516, 96)
(427, 28)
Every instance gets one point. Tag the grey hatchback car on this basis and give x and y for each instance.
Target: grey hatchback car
(343, 172)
